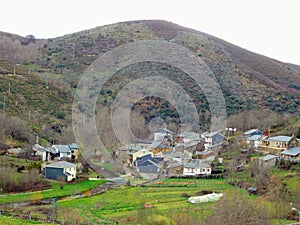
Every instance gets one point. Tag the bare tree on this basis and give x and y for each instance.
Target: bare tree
(261, 175)
(235, 208)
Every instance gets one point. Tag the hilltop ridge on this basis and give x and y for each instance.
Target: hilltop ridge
(249, 81)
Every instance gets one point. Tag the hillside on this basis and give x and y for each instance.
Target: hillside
(249, 81)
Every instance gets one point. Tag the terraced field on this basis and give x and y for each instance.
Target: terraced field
(166, 200)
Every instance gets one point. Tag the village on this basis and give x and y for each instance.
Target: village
(187, 154)
(192, 155)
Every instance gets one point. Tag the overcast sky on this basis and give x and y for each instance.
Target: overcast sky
(267, 27)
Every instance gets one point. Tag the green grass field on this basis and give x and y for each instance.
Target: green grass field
(4, 220)
(55, 192)
(127, 204)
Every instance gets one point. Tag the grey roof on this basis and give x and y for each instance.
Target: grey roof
(62, 148)
(164, 130)
(191, 165)
(252, 131)
(61, 164)
(51, 150)
(190, 143)
(172, 165)
(162, 146)
(267, 158)
(216, 136)
(294, 151)
(190, 135)
(40, 148)
(254, 137)
(74, 146)
(177, 154)
(131, 147)
(147, 163)
(204, 165)
(211, 134)
(143, 159)
(280, 138)
(205, 152)
(154, 144)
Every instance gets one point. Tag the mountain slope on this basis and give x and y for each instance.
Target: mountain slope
(249, 81)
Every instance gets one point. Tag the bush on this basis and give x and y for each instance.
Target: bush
(185, 195)
(14, 182)
(60, 115)
(204, 192)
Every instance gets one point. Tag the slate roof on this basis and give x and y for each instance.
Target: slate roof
(147, 163)
(254, 137)
(134, 147)
(173, 165)
(62, 148)
(74, 146)
(164, 130)
(61, 164)
(177, 154)
(249, 132)
(40, 148)
(190, 135)
(191, 165)
(294, 151)
(145, 158)
(190, 144)
(216, 136)
(204, 165)
(281, 138)
(154, 144)
(52, 150)
(267, 158)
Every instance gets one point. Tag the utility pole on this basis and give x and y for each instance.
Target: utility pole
(74, 45)
(9, 87)
(47, 81)
(4, 104)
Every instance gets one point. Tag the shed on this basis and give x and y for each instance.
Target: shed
(268, 161)
(291, 154)
(61, 169)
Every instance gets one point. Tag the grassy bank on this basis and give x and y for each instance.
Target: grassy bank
(55, 192)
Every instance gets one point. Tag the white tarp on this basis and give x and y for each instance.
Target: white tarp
(205, 198)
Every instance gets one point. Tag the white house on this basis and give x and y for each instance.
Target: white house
(213, 139)
(196, 168)
(188, 137)
(47, 153)
(254, 140)
(61, 169)
(204, 169)
(162, 134)
(70, 151)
